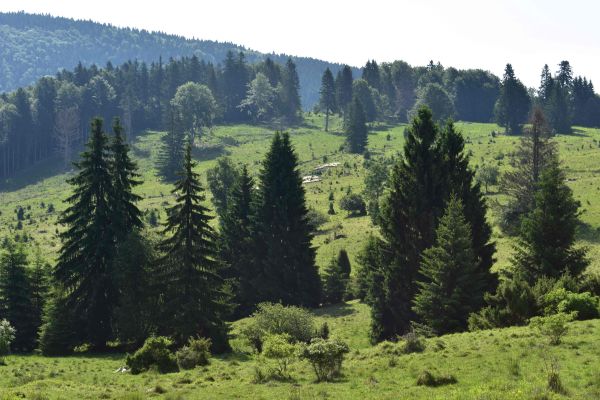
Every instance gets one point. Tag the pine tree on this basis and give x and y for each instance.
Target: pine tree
(546, 245)
(15, 297)
(287, 258)
(546, 84)
(356, 128)
(126, 215)
(327, 99)
(84, 267)
(193, 298)
(236, 246)
(450, 279)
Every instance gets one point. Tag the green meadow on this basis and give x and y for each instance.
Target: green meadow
(497, 364)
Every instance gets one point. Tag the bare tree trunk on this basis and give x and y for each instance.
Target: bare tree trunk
(67, 131)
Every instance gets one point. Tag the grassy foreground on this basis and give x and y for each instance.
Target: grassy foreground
(497, 364)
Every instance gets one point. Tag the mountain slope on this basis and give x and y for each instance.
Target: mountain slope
(37, 45)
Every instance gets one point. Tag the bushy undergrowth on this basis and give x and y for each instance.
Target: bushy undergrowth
(195, 353)
(428, 378)
(277, 319)
(326, 357)
(154, 353)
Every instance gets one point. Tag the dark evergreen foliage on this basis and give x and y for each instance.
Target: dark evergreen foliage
(288, 273)
(193, 299)
(236, 246)
(343, 88)
(84, 268)
(513, 104)
(356, 128)
(546, 245)
(434, 166)
(16, 297)
(327, 100)
(451, 287)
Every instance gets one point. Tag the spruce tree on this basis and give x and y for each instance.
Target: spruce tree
(235, 243)
(408, 218)
(327, 99)
(512, 106)
(343, 88)
(39, 280)
(288, 271)
(356, 128)
(290, 97)
(433, 167)
(193, 296)
(449, 275)
(334, 283)
(15, 297)
(84, 268)
(546, 245)
(535, 152)
(171, 153)
(126, 215)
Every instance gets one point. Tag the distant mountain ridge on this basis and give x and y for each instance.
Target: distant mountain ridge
(35, 45)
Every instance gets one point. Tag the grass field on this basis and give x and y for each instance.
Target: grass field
(44, 184)
(488, 365)
(498, 364)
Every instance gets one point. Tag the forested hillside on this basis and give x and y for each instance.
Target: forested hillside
(37, 45)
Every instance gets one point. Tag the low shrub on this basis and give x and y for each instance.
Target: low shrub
(413, 343)
(552, 326)
(427, 378)
(276, 319)
(154, 353)
(354, 204)
(585, 305)
(195, 353)
(282, 351)
(7, 335)
(326, 357)
(553, 375)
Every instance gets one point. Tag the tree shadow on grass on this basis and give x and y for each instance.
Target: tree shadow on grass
(588, 233)
(33, 174)
(336, 310)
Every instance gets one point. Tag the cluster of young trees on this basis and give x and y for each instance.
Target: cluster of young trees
(116, 280)
(432, 264)
(182, 95)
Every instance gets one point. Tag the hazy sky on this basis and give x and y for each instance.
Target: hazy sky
(462, 33)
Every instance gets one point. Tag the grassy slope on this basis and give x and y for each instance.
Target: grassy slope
(480, 361)
(248, 144)
(498, 364)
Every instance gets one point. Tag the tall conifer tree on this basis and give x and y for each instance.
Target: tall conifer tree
(15, 297)
(356, 128)
(236, 247)
(84, 267)
(327, 99)
(449, 273)
(126, 214)
(546, 245)
(287, 258)
(193, 297)
(343, 88)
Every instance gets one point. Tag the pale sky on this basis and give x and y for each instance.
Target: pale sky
(461, 33)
